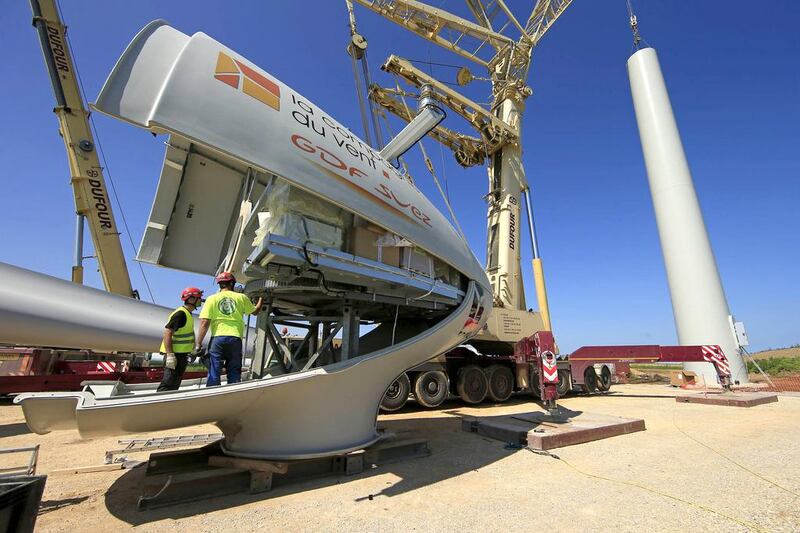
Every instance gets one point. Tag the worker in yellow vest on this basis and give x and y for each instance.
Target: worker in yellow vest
(178, 340)
(223, 313)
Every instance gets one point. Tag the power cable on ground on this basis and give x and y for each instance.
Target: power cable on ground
(696, 505)
(743, 467)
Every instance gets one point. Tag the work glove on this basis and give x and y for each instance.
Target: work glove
(170, 361)
(197, 353)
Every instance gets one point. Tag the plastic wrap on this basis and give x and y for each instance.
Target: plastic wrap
(296, 214)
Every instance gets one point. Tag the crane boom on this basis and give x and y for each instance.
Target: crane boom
(86, 174)
(469, 151)
(502, 43)
(507, 57)
(439, 26)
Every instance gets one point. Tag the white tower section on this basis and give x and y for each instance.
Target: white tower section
(698, 300)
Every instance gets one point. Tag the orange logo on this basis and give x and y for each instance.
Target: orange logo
(229, 71)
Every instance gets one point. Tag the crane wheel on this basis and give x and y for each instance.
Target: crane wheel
(396, 395)
(534, 388)
(589, 380)
(564, 386)
(501, 383)
(472, 384)
(431, 388)
(604, 380)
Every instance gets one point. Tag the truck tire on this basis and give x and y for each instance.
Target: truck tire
(472, 384)
(534, 389)
(431, 388)
(604, 380)
(564, 387)
(589, 380)
(396, 395)
(501, 383)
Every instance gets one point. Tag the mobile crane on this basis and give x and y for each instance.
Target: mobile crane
(485, 366)
(516, 349)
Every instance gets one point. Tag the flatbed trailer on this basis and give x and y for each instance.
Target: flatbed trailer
(534, 368)
(46, 370)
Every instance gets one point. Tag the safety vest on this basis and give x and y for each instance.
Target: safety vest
(183, 337)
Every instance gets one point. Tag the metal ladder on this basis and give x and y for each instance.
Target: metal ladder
(160, 443)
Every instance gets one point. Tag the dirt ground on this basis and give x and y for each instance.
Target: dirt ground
(696, 467)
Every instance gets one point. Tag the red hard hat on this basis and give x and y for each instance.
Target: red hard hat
(188, 292)
(225, 277)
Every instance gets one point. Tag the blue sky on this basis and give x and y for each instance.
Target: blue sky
(734, 80)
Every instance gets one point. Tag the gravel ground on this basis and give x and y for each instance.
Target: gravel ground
(680, 474)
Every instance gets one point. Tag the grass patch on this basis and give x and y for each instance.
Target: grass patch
(777, 365)
(662, 367)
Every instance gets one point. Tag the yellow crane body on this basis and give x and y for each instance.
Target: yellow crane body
(86, 174)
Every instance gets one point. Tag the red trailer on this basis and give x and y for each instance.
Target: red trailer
(44, 370)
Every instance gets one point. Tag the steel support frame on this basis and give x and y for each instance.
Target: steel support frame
(350, 332)
(348, 322)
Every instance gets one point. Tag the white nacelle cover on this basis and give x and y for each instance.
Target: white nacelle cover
(197, 89)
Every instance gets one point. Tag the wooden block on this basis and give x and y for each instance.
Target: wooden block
(88, 469)
(730, 399)
(255, 465)
(396, 450)
(260, 481)
(499, 428)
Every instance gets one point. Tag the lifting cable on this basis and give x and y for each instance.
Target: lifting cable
(372, 114)
(428, 62)
(364, 102)
(429, 165)
(103, 158)
(755, 363)
(361, 105)
(634, 23)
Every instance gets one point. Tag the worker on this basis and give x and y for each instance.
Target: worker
(178, 339)
(224, 313)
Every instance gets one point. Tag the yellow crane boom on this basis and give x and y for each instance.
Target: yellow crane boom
(86, 175)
